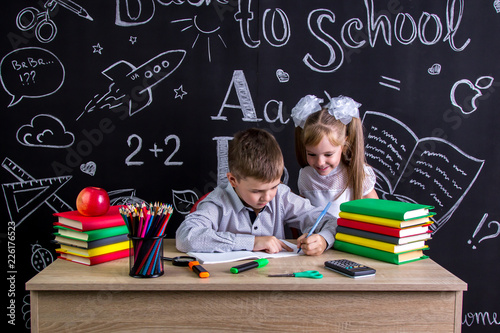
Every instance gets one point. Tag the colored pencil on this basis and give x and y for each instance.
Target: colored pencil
(147, 225)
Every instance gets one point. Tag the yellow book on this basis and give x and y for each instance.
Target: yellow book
(95, 251)
(383, 246)
(383, 221)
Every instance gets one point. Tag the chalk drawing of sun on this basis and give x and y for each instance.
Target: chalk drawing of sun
(194, 22)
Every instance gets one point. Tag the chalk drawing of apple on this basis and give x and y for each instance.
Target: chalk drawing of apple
(482, 83)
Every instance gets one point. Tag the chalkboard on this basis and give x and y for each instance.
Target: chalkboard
(141, 97)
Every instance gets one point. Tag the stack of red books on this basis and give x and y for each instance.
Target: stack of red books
(91, 240)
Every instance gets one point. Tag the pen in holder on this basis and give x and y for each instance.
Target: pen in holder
(145, 259)
(146, 225)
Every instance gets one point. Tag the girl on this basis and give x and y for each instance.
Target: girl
(329, 146)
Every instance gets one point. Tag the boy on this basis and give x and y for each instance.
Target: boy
(251, 211)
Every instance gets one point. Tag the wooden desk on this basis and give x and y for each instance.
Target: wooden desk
(420, 296)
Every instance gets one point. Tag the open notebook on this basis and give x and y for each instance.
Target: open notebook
(220, 257)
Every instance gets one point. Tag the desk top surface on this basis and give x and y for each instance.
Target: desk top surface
(423, 275)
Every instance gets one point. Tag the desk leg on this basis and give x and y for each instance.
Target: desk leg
(458, 311)
(34, 321)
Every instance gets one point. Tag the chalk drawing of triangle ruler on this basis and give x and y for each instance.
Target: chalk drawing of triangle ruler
(26, 195)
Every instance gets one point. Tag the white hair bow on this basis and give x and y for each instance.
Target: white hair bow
(343, 108)
(305, 107)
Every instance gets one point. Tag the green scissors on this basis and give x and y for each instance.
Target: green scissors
(305, 274)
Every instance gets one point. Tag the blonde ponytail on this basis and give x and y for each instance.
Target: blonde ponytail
(354, 157)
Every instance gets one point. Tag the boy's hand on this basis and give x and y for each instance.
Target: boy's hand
(270, 244)
(313, 245)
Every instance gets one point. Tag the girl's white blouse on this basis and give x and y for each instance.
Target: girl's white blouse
(321, 189)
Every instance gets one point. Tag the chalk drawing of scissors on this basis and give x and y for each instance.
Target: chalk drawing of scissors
(45, 28)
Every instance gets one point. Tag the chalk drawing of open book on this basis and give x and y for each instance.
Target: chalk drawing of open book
(429, 171)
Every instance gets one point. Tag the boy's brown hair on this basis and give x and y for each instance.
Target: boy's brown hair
(255, 153)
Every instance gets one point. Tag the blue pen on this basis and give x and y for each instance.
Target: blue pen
(318, 220)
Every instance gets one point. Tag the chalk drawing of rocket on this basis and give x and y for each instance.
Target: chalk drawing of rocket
(132, 86)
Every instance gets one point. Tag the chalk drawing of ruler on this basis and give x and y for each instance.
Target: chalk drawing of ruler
(26, 195)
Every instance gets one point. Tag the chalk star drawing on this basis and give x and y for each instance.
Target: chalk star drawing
(179, 92)
(132, 40)
(97, 48)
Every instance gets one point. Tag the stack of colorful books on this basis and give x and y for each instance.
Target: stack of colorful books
(91, 240)
(386, 230)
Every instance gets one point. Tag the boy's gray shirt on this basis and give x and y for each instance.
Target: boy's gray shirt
(221, 222)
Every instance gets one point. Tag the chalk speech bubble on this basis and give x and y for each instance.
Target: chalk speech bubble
(31, 72)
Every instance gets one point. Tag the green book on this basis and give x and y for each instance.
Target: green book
(393, 258)
(389, 209)
(91, 235)
(59, 239)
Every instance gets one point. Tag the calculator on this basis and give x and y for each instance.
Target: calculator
(349, 268)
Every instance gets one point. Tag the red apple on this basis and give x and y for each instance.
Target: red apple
(92, 201)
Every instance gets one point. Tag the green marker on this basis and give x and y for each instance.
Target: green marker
(249, 265)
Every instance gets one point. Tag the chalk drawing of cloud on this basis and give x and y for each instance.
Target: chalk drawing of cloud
(46, 131)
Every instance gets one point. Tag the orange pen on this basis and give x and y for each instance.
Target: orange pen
(198, 269)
